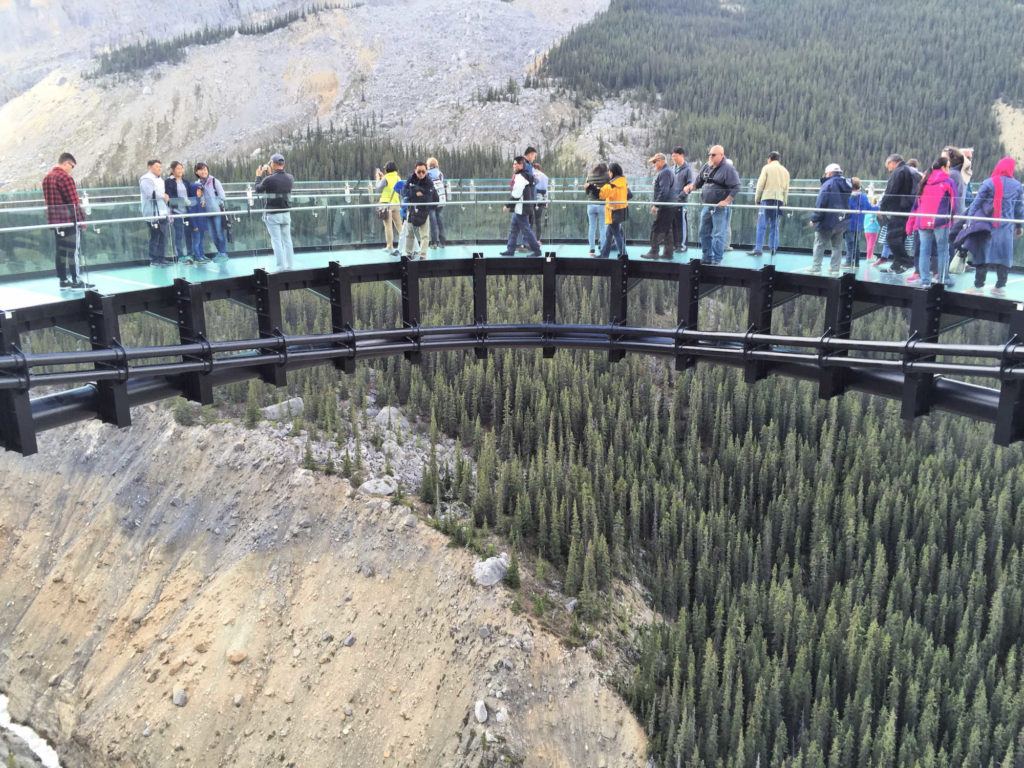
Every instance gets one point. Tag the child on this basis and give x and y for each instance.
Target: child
(871, 230)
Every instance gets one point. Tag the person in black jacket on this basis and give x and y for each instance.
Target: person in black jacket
(420, 198)
(179, 191)
(898, 197)
(682, 175)
(719, 183)
(661, 227)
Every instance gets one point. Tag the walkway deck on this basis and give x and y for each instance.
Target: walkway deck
(36, 291)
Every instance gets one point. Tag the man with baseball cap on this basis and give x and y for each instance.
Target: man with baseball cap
(277, 187)
(830, 220)
(661, 228)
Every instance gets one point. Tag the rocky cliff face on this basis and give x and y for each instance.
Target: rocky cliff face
(43, 34)
(413, 67)
(189, 597)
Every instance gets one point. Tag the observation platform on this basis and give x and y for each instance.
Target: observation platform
(24, 292)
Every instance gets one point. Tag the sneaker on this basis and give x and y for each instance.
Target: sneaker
(188, 262)
(832, 271)
(81, 285)
(975, 290)
(649, 255)
(997, 291)
(914, 278)
(592, 252)
(507, 253)
(754, 252)
(396, 252)
(814, 270)
(65, 284)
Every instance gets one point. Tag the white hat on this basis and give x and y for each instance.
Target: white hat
(832, 168)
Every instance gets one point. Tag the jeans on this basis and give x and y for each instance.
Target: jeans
(828, 241)
(182, 239)
(595, 233)
(934, 243)
(66, 257)
(521, 226)
(680, 229)
(412, 232)
(768, 216)
(851, 237)
(157, 241)
(437, 226)
(714, 226)
(212, 227)
(613, 232)
(279, 227)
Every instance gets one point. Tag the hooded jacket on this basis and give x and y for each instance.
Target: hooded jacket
(419, 193)
(937, 200)
(835, 195)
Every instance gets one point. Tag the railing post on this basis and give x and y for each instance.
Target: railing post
(270, 321)
(17, 429)
(925, 314)
(411, 300)
(191, 329)
(342, 312)
(549, 289)
(618, 287)
(1010, 411)
(838, 325)
(759, 318)
(480, 300)
(688, 308)
(104, 333)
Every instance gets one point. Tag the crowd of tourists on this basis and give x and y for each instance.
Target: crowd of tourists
(917, 218)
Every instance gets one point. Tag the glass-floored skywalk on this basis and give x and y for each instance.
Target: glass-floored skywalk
(336, 221)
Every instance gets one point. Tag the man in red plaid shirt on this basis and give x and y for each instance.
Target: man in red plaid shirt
(63, 207)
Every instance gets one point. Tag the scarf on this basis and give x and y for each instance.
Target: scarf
(1004, 168)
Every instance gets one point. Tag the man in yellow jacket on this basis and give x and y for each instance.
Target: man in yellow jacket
(616, 195)
(771, 194)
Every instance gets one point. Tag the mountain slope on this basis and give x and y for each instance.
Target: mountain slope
(139, 562)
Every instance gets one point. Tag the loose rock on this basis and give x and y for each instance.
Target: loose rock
(480, 711)
(237, 656)
(489, 572)
(179, 696)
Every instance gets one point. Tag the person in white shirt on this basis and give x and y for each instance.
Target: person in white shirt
(153, 203)
(520, 221)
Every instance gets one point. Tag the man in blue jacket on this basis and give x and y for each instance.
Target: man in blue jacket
(830, 220)
(661, 227)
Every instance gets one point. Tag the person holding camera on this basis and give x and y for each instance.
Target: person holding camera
(388, 205)
(420, 199)
(276, 184)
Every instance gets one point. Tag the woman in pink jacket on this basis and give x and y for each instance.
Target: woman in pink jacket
(936, 202)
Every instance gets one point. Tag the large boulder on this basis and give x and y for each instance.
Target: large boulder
(379, 486)
(391, 419)
(489, 572)
(288, 409)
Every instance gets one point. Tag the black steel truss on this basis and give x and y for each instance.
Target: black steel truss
(109, 379)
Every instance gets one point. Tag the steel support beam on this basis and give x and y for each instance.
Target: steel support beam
(760, 295)
(1010, 411)
(838, 324)
(618, 290)
(480, 300)
(17, 430)
(105, 333)
(191, 329)
(925, 319)
(549, 294)
(411, 300)
(688, 307)
(342, 311)
(270, 321)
